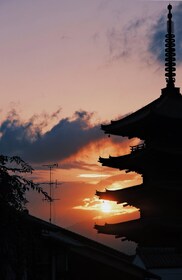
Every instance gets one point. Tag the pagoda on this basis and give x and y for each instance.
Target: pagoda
(158, 159)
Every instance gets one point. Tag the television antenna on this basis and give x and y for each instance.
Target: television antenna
(50, 183)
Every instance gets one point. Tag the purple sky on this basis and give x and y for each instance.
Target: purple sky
(66, 66)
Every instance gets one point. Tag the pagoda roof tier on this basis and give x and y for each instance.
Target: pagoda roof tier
(120, 228)
(130, 162)
(166, 112)
(150, 199)
(128, 195)
(146, 231)
(145, 159)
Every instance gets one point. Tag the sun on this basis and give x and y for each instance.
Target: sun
(106, 206)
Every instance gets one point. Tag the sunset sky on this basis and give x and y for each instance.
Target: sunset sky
(67, 66)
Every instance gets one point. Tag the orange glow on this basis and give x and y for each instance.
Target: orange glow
(93, 175)
(106, 206)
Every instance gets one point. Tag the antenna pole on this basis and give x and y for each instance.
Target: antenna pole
(50, 166)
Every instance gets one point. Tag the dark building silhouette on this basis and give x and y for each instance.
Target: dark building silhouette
(32, 249)
(158, 158)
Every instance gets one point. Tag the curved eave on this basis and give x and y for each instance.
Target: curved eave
(167, 110)
(129, 195)
(132, 130)
(130, 162)
(147, 159)
(120, 228)
(151, 231)
(122, 127)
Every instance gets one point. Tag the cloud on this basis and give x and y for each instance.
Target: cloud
(104, 208)
(144, 36)
(74, 142)
(64, 139)
(127, 41)
(78, 164)
(93, 175)
(119, 181)
(158, 31)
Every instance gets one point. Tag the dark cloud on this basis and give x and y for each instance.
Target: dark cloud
(80, 165)
(64, 139)
(123, 42)
(145, 35)
(158, 31)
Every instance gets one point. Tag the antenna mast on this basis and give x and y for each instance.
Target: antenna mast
(50, 166)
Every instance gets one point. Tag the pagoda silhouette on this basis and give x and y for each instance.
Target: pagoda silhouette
(158, 159)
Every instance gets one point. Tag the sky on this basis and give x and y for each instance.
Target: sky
(66, 67)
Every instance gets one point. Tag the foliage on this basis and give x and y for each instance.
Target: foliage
(14, 184)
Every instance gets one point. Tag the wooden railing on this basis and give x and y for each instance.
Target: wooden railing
(137, 147)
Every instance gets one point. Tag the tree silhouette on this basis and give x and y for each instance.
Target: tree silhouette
(14, 182)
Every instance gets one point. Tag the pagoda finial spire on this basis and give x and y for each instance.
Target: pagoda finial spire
(170, 55)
